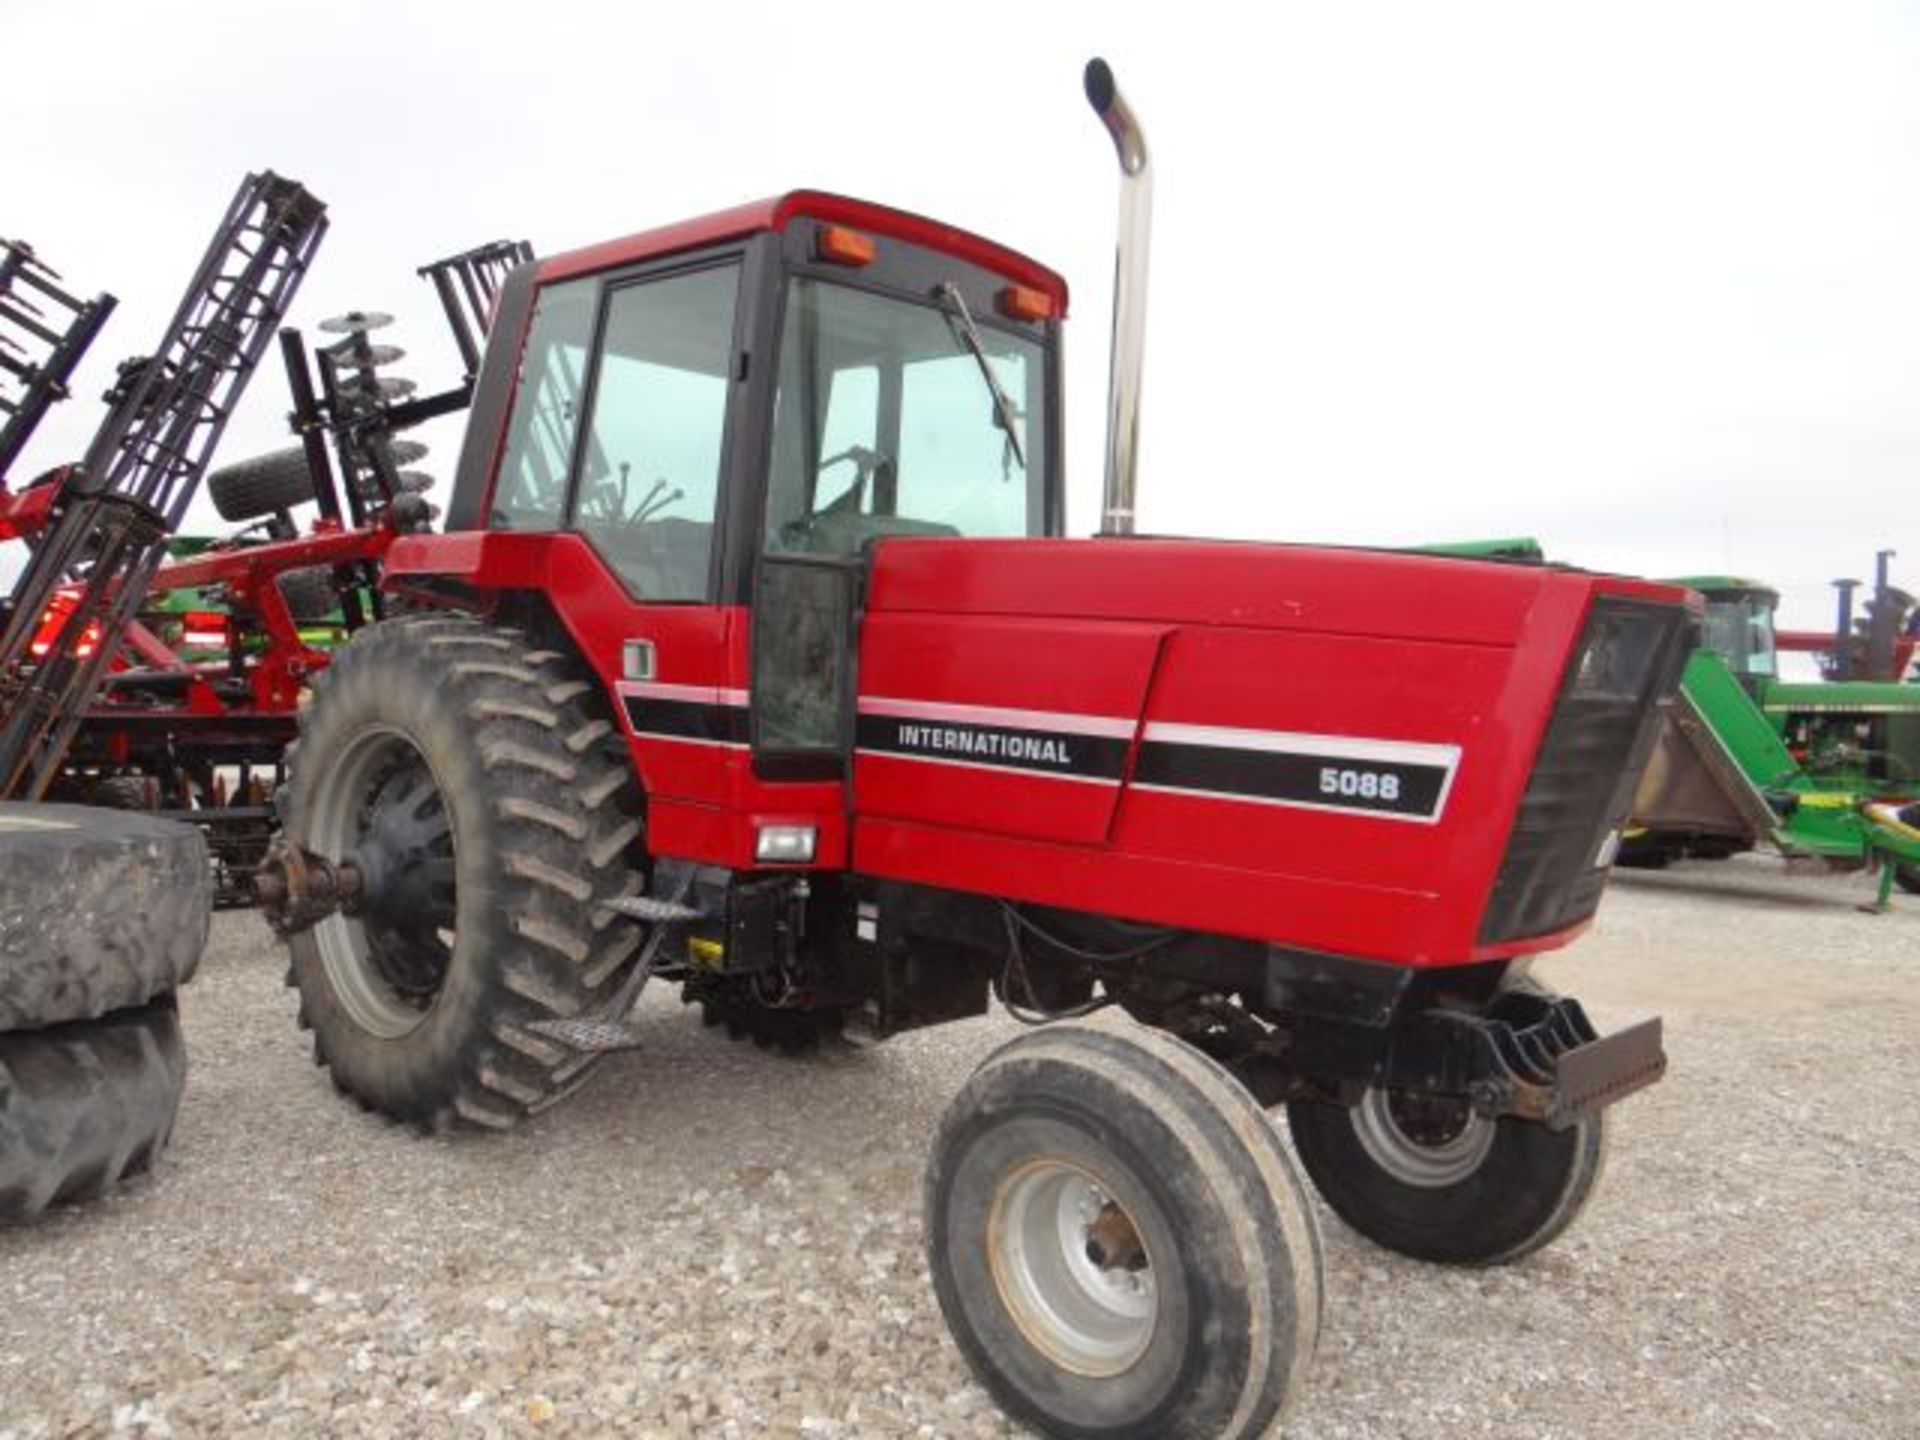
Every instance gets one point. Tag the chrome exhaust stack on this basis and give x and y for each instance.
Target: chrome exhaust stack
(1129, 351)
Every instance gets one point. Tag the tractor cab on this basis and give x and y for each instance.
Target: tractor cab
(1739, 626)
(801, 377)
(685, 446)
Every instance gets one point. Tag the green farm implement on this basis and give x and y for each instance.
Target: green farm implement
(1822, 770)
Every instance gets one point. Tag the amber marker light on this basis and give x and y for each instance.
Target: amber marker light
(1020, 302)
(840, 246)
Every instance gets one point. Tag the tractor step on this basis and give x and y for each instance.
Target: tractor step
(609, 1030)
(588, 1034)
(655, 911)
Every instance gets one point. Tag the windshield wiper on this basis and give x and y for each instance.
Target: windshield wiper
(960, 320)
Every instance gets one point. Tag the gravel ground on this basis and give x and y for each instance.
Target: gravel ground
(711, 1241)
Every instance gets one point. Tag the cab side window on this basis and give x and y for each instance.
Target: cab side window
(531, 490)
(650, 472)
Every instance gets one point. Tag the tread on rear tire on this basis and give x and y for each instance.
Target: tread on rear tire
(542, 815)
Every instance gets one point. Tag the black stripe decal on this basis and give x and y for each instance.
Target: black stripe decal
(1041, 752)
(1368, 787)
(687, 719)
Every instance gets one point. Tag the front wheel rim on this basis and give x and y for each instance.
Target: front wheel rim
(1423, 1141)
(1072, 1269)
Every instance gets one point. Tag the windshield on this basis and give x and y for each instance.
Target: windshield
(1741, 633)
(885, 425)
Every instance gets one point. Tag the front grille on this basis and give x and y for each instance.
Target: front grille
(1604, 722)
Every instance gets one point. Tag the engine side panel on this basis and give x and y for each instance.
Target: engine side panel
(1329, 749)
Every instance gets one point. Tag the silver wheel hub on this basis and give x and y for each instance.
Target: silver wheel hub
(1072, 1269)
(1422, 1141)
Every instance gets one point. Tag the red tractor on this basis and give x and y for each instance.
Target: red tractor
(753, 660)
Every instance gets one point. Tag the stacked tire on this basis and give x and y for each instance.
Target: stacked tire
(103, 915)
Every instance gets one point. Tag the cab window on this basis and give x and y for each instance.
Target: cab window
(1740, 631)
(885, 425)
(650, 469)
(531, 490)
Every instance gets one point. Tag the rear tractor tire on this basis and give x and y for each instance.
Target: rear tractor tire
(491, 807)
(1119, 1243)
(1428, 1177)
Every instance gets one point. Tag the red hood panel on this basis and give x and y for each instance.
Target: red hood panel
(1213, 582)
(1316, 747)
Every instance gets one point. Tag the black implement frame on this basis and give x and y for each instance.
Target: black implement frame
(468, 285)
(55, 329)
(130, 492)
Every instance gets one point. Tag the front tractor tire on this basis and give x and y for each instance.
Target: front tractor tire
(1426, 1176)
(491, 809)
(1119, 1243)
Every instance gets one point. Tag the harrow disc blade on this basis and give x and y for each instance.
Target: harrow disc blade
(351, 354)
(355, 322)
(383, 387)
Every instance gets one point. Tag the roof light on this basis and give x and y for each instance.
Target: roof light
(1022, 302)
(838, 245)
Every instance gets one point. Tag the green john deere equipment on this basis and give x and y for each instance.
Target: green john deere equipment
(1825, 770)
(1746, 759)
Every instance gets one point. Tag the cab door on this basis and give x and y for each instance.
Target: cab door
(647, 499)
(622, 437)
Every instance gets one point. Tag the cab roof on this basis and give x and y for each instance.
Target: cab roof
(778, 213)
(1727, 585)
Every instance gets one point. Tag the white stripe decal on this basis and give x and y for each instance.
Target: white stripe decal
(1332, 747)
(1237, 798)
(694, 694)
(1066, 722)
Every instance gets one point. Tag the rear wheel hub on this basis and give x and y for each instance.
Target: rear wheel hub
(388, 955)
(405, 860)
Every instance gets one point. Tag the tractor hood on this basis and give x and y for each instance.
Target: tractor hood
(1325, 746)
(1353, 592)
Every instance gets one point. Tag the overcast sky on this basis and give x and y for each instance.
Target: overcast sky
(1642, 280)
